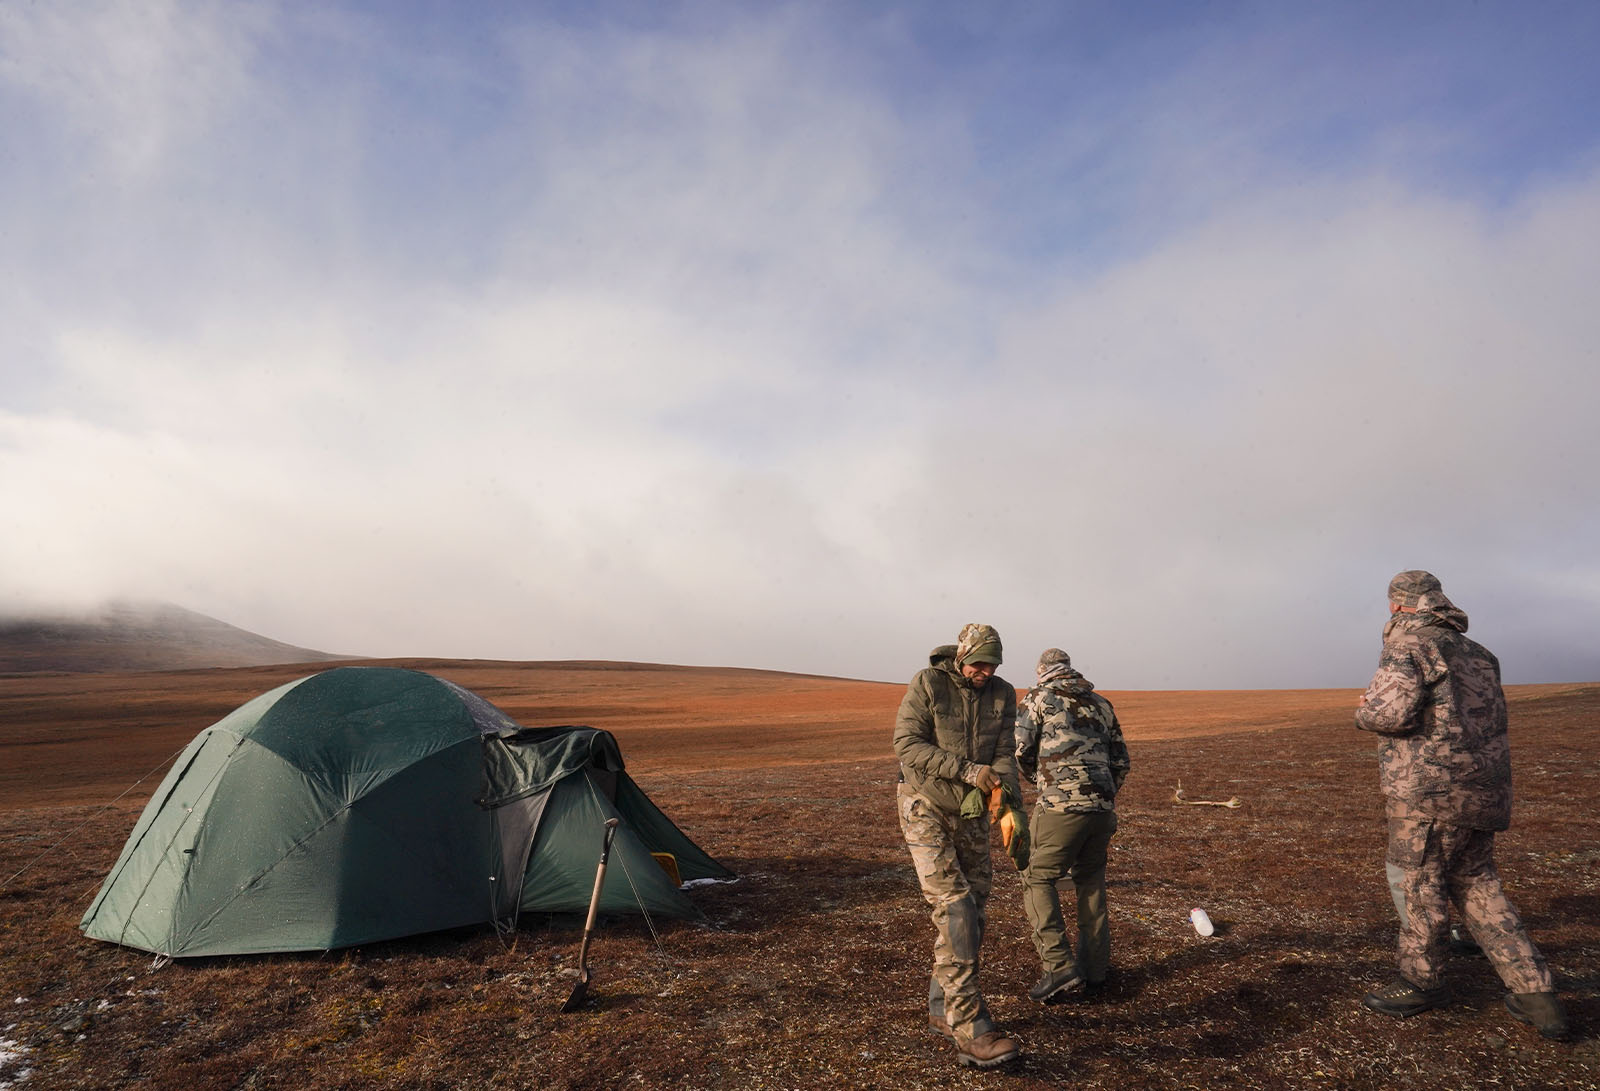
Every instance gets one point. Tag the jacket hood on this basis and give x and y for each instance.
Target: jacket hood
(1434, 609)
(1443, 611)
(1070, 681)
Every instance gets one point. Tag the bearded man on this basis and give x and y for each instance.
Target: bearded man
(955, 733)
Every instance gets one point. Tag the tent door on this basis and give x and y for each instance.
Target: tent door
(514, 826)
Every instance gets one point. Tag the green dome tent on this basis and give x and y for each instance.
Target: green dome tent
(367, 803)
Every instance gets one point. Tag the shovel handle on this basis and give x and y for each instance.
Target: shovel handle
(594, 899)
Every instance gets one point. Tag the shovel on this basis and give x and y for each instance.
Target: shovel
(581, 989)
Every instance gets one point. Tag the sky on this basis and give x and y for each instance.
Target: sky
(797, 335)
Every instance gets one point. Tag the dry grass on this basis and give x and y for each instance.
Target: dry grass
(810, 971)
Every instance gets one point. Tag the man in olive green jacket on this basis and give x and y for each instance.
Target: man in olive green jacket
(955, 732)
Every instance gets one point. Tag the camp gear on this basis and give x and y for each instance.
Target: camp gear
(1543, 1011)
(669, 864)
(368, 803)
(1402, 999)
(1201, 921)
(581, 989)
(1055, 984)
(987, 1050)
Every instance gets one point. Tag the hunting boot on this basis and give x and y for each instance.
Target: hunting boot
(1543, 1011)
(1055, 984)
(986, 1050)
(1403, 999)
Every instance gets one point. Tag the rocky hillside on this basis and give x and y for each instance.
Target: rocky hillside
(137, 636)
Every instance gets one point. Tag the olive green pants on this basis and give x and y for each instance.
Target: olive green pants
(1070, 843)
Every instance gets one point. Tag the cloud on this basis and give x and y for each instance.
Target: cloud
(131, 80)
(706, 341)
(1275, 398)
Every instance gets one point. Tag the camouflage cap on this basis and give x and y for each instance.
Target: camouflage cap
(1052, 658)
(977, 644)
(1406, 589)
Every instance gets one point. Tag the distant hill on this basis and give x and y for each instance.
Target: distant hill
(138, 637)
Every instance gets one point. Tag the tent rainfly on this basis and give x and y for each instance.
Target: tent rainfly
(367, 803)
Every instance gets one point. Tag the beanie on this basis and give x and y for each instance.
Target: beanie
(978, 644)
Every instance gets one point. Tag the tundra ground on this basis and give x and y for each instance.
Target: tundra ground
(810, 970)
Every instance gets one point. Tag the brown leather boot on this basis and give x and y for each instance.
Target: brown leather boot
(1543, 1011)
(1402, 999)
(937, 1025)
(987, 1050)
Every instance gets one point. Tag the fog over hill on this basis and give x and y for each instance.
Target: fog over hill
(137, 636)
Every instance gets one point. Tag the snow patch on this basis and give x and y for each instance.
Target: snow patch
(12, 1054)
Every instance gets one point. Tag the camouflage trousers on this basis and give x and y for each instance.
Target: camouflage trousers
(1069, 843)
(1432, 865)
(951, 856)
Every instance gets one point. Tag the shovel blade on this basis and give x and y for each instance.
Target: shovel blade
(580, 992)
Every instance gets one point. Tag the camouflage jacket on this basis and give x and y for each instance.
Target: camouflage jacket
(1069, 740)
(946, 729)
(1437, 705)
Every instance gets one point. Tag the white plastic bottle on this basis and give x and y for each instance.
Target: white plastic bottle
(1202, 923)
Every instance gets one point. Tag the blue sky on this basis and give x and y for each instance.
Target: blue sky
(797, 335)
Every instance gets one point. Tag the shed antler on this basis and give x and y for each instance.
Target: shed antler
(1178, 797)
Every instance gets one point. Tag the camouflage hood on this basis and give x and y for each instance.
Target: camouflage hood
(1433, 608)
(1422, 601)
(1069, 681)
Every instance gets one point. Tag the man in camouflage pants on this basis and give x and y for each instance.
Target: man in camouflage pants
(1445, 765)
(954, 734)
(1069, 739)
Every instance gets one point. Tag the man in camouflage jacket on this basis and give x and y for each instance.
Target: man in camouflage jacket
(1069, 739)
(954, 734)
(1437, 706)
